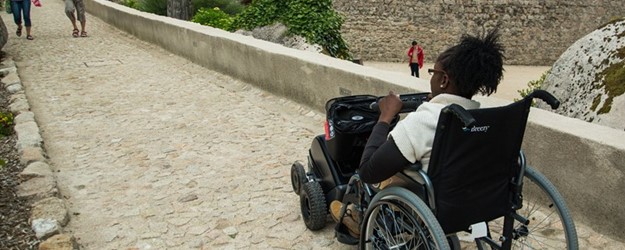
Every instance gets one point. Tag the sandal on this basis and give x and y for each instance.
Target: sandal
(83, 34)
(75, 33)
(29, 37)
(18, 32)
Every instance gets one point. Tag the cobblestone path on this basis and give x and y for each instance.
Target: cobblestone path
(154, 152)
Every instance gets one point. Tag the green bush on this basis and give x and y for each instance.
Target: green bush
(315, 20)
(231, 7)
(130, 3)
(158, 7)
(319, 23)
(260, 13)
(533, 85)
(6, 124)
(213, 17)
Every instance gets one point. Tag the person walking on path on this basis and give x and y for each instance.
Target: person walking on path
(19, 7)
(79, 7)
(415, 53)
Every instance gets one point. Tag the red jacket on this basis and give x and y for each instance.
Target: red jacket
(419, 56)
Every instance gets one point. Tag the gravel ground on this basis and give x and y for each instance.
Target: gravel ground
(15, 231)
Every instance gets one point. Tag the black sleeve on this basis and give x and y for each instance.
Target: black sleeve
(381, 158)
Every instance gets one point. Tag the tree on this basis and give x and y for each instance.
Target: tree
(180, 9)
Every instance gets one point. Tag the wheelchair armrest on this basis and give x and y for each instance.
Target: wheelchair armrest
(422, 178)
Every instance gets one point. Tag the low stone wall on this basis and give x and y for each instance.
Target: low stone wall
(585, 161)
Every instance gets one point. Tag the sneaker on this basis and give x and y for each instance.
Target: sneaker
(352, 226)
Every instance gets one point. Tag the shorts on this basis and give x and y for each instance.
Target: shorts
(78, 6)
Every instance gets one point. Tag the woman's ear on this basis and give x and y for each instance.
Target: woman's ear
(444, 81)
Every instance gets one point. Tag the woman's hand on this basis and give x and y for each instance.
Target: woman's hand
(390, 105)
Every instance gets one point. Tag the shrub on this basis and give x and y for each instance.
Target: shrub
(130, 3)
(158, 7)
(315, 20)
(260, 13)
(231, 7)
(6, 124)
(319, 23)
(213, 17)
(533, 85)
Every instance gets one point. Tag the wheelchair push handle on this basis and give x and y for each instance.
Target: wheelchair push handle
(460, 113)
(545, 96)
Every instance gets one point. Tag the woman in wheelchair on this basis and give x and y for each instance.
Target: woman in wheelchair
(475, 65)
(467, 164)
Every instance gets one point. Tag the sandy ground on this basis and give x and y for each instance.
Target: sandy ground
(515, 77)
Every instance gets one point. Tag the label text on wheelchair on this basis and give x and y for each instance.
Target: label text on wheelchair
(476, 129)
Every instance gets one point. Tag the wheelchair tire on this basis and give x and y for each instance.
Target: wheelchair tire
(454, 242)
(313, 205)
(414, 224)
(550, 223)
(298, 177)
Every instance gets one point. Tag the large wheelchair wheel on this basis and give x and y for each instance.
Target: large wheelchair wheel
(399, 219)
(550, 223)
(313, 205)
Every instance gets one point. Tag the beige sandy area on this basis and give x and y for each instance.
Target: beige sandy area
(515, 78)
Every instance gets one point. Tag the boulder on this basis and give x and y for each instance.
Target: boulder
(589, 77)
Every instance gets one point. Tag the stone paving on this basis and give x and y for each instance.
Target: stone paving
(151, 151)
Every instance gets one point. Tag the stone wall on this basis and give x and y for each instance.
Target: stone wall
(534, 32)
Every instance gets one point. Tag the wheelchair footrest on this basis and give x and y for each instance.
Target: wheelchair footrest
(343, 236)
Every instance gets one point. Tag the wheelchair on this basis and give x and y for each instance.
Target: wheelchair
(478, 182)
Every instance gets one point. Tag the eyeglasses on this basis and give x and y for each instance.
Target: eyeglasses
(432, 71)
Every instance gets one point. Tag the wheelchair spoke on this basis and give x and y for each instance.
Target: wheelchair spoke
(396, 228)
(398, 219)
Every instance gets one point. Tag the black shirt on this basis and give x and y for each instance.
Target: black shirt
(381, 157)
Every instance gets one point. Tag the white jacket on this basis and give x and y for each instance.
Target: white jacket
(414, 135)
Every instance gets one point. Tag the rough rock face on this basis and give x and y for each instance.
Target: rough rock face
(4, 34)
(277, 33)
(589, 77)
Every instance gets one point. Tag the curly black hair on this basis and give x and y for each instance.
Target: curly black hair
(475, 64)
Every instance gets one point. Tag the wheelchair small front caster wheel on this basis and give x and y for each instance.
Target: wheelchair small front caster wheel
(313, 205)
(298, 177)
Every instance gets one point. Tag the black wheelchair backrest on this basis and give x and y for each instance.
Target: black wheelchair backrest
(474, 159)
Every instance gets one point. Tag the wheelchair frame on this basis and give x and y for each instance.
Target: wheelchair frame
(422, 227)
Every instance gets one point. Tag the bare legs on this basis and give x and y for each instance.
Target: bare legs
(83, 24)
